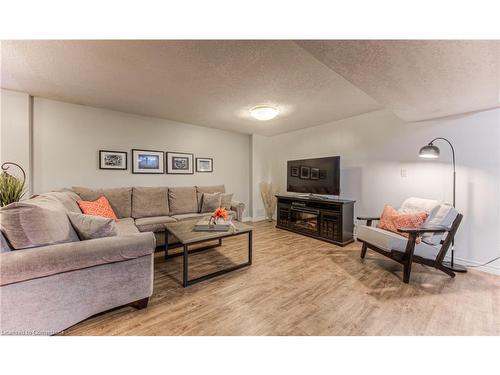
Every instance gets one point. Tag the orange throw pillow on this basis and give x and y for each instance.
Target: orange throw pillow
(391, 220)
(100, 207)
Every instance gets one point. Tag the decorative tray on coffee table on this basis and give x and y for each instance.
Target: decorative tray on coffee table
(205, 225)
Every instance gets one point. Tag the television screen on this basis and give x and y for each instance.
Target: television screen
(315, 176)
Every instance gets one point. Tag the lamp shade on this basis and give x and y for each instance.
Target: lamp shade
(429, 152)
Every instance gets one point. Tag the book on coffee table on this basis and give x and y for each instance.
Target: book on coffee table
(204, 225)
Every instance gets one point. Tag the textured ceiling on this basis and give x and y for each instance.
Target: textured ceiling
(208, 83)
(418, 80)
(215, 83)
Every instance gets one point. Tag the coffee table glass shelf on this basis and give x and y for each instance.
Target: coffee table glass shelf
(187, 236)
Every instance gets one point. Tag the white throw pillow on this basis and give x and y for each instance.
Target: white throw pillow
(413, 205)
(443, 216)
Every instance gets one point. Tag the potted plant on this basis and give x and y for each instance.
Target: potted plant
(12, 188)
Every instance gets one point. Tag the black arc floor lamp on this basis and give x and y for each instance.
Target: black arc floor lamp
(431, 151)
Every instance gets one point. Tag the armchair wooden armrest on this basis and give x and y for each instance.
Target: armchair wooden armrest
(418, 231)
(369, 219)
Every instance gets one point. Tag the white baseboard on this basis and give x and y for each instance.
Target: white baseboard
(490, 268)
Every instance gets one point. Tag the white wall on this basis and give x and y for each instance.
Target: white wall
(374, 147)
(15, 134)
(261, 154)
(67, 138)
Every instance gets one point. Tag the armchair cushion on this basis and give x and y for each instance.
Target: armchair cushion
(390, 241)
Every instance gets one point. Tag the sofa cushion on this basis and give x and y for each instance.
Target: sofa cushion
(153, 224)
(207, 189)
(126, 227)
(182, 200)
(149, 201)
(36, 222)
(68, 199)
(190, 216)
(100, 207)
(388, 241)
(210, 202)
(120, 199)
(443, 216)
(89, 226)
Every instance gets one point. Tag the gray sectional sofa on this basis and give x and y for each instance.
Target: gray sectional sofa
(48, 288)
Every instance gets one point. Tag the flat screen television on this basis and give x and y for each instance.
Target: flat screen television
(314, 176)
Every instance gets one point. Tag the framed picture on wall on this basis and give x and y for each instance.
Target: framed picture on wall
(204, 165)
(180, 163)
(148, 161)
(294, 171)
(112, 159)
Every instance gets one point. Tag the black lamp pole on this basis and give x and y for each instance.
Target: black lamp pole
(431, 151)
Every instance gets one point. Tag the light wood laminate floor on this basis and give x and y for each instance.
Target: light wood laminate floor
(301, 286)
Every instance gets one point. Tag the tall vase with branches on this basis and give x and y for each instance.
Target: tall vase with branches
(12, 188)
(267, 193)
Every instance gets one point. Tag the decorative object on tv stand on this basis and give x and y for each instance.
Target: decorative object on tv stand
(180, 163)
(112, 160)
(431, 151)
(12, 188)
(268, 194)
(204, 165)
(148, 161)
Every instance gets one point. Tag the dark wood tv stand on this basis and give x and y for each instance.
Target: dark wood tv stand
(330, 220)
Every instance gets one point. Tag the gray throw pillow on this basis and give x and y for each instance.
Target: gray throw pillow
(36, 222)
(89, 227)
(4, 245)
(225, 200)
(210, 202)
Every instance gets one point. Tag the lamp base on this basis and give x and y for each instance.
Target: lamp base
(455, 267)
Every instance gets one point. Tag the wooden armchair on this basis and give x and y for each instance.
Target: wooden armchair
(436, 240)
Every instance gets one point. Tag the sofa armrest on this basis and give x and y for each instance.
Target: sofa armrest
(239, 208)
(27, 264)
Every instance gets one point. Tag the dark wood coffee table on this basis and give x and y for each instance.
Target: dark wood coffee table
(184, 232)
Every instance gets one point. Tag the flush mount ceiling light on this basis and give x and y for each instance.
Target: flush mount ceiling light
(264, 112)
